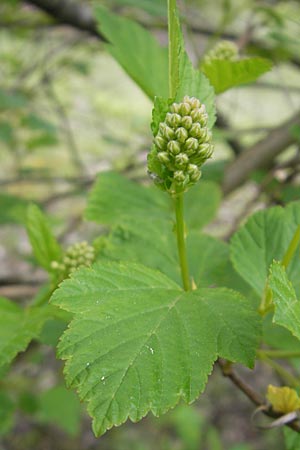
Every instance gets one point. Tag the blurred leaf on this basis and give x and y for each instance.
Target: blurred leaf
(188, 423)
(292, 439)
(18, 326)
(34, 122)
(224, 74)
(52, 331)
(137, 51)
(6, 133)
(60, 407)
(154, 7)
(7, 411)
(11, 100)
(43, 140)
(114, 198)
(213, 439)
(44, 245)
(12, 209)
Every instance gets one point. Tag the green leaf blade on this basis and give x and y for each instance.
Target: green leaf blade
(287, 306)
(137, 51)
(139, 343)
(224, 74)
(18, 327)
(44, 245)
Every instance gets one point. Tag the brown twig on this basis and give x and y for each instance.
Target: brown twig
(253, 396)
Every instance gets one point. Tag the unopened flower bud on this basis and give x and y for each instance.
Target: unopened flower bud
(194, 102)
(173, 120)
(196, 130)
(179, 176)
(160, 143)
(166, 131)
(197, 115)
(193, 172)
(185, 109)
(181, 135)
(186, 122)
(181, 160)
(163, 157)
(173, 147)
(175, 108)
(191, 144)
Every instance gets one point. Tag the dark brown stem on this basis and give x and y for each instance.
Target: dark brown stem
(253, 396)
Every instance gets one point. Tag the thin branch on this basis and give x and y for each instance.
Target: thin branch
(260, 155)
(253, 396)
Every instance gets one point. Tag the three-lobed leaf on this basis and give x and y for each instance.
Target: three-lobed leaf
(224, 74)
(139, 343)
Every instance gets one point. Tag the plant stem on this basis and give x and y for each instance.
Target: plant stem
(279, 354)
(292, 248)
(284, 374)
(180, 233)
(173, 48)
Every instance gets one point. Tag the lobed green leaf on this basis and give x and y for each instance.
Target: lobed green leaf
(139, 343)
(224, 74)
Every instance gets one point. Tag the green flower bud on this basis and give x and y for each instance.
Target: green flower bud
(182, 145)
(181, 135)
(173, 120)
(193, 172)
(54, 265)
(198, 115)
(166, 131)
(185, 109)
(206, 150)
(187, 122)
(191, 144)
(181, 160)
(196, 130)
(179, 176)
(163, 157)
(174, 147)
(160, 143)
(175, 108)
(193, 101)
(225, 50)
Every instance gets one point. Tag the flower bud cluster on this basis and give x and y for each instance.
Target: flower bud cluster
(77, 255)
(223, 50)
(181, 146)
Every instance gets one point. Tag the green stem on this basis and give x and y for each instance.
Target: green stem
(279, 354)
(284, 374)
(173, 48)
(180, 233)
(292, 248)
